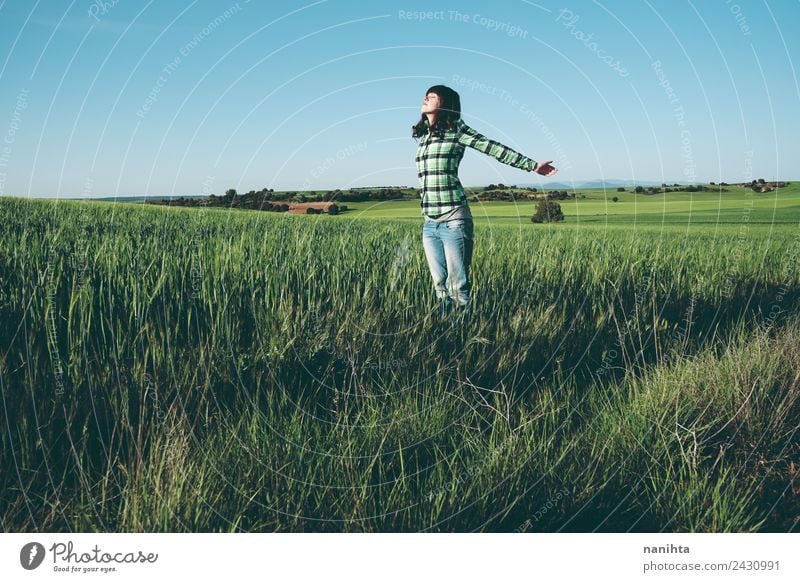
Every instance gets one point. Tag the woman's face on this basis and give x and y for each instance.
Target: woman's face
(431, 103)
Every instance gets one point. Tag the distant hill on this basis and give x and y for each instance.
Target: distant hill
(547, 186)
(599, 183)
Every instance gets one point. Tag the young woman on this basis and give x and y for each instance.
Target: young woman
(447, 230)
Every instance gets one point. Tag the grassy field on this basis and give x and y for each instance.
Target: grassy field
(630, 369)
(693, 211)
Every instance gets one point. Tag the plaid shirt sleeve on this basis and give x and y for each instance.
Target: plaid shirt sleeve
(471, 138)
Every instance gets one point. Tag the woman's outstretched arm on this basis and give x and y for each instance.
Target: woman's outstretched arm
(471, 138)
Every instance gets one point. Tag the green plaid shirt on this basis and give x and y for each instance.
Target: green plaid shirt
(438, 160)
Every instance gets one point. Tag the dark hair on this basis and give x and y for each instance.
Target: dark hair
(448, 117)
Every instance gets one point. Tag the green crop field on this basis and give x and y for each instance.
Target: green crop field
(634, 368)
(693, 211)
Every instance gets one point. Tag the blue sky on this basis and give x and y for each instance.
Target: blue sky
(126, 98)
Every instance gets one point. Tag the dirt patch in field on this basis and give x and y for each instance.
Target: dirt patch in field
(300, 207)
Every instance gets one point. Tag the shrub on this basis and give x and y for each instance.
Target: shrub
(547, 211)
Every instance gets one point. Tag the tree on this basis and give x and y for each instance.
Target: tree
(639, 190)
(620, 189)
(333, 209)
(230, 193)
(615, 199)
(547, 211)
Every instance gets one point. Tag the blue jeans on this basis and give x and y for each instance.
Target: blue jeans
(448, 248)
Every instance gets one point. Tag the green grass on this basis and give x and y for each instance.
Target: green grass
(696, 211)
(167, 369)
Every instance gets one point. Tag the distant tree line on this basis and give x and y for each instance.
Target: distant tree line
(759, 185)
(664, 188)
(368, 195)
(526, 194)
(250, 201)
(502, 187)
(271, 201)
(502, 195)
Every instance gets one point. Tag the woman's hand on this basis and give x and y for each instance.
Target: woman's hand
(545, 168)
